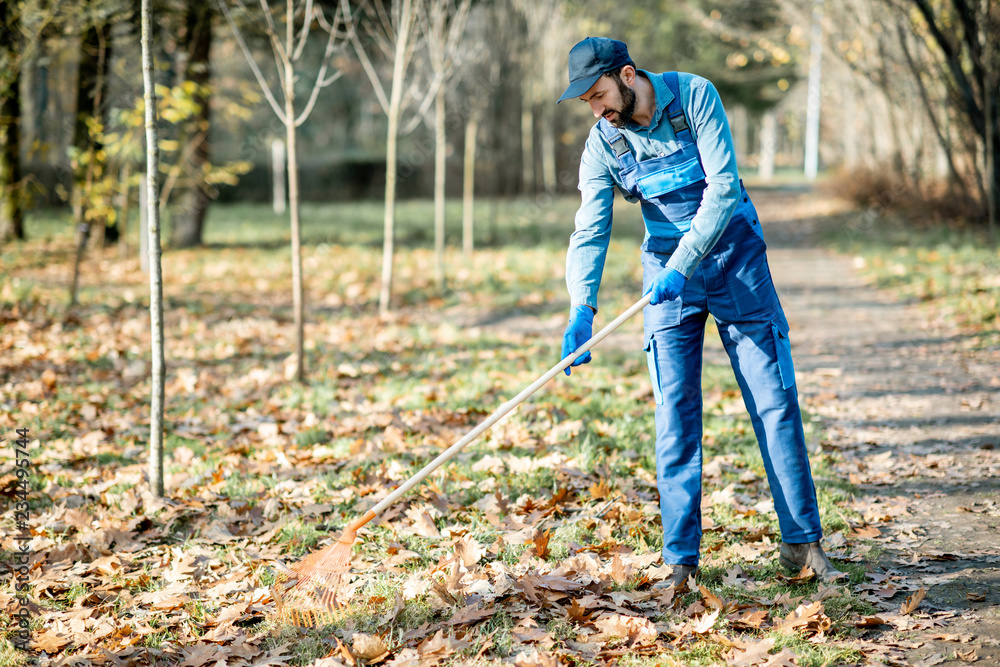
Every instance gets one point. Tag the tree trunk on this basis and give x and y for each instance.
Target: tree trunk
(155, 272)
(768, 145)
(11, 203)
(91, 90)
(549, 147)
(527, 140)
(468, 183)
(293, 194)
(814, 93)
(395, 101)
(189, 218)
(440, 146)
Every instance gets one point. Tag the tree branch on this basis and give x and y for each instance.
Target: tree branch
(253, 64)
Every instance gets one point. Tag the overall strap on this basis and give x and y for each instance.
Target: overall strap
(675, 112)
(623, 152)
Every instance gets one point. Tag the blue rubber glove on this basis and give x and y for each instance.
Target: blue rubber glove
(667, 285)
(578, 332)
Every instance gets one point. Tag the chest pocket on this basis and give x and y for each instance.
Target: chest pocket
(674, 177)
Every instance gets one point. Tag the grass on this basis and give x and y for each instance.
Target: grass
(384, 395)
(954, 270)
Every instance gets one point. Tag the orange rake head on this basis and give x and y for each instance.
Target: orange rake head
(313, 598)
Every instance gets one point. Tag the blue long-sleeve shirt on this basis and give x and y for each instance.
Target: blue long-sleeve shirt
(599, 174)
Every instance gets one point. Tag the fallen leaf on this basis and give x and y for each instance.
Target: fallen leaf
(712, 601)
(783, 659)
(913, 601)
(967, 656)
(540, 544)
(975, 597)
(705, 622)
(368, 647)
(751, 655)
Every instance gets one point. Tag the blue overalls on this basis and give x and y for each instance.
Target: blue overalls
(733, 283)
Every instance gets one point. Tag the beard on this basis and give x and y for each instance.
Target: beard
(624, 115)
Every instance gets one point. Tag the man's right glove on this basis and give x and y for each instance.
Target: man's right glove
(578, 332)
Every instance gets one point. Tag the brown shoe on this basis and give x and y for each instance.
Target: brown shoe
(796, 556)
(676, 578)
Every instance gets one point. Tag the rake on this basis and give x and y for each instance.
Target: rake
(320, 573)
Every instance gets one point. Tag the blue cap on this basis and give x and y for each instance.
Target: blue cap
(591, 58)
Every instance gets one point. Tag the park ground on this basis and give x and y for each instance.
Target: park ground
(539, 543)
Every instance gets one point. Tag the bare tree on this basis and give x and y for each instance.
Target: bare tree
(392, 27)
(155, 270)
(286, 55)
(447, 48)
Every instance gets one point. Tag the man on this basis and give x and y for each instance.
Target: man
(664, 141)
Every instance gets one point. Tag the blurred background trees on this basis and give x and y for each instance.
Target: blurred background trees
(909, 100)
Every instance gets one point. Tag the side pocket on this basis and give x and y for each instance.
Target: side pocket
(784, 349)
(654, 368)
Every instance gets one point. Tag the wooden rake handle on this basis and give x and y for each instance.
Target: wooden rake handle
(499, 414)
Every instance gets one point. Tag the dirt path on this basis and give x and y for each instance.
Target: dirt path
(914, 410)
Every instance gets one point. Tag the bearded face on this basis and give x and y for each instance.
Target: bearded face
(623, 114)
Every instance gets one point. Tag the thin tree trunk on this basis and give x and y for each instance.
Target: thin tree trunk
(293, 194)
(549, 147)
(439, 179)
(768, 145)
(527, 141)
(189, 219)
(468, 183)
(11, 202)
(123, 209)
(155, 272)
(395, 101)
(814, 94)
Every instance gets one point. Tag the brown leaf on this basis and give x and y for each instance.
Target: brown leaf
(967, 656)
(201, 654)
(754, 654)
(540, 543)
(578, 612)
(712, 601)
(469, 551)
(869, 622)
(783, 659)
(618, 570)
(368, 647)
(637, 630)
(975, 597)
(913, 601)
(808, 618)
(535, 659)
(471, 614)
(705, 622)
(50, 642)
(600, 490)
(750, 619)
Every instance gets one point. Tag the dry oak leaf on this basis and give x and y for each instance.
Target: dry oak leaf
(535, 659)
(806, 617)
(967, 656)
(368, 647)
(712, 601)
(783, 659)
(704, 623)
(637, 630)
(201, 654)
(50, 642)
(913, 601)
(469, 551)
(540, 544)
(752, 655)
(470, 614)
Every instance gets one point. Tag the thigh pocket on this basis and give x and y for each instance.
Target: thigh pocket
(654, 368)
(783, 348)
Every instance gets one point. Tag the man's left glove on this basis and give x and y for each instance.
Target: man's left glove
(667, 285)
(579, 330)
